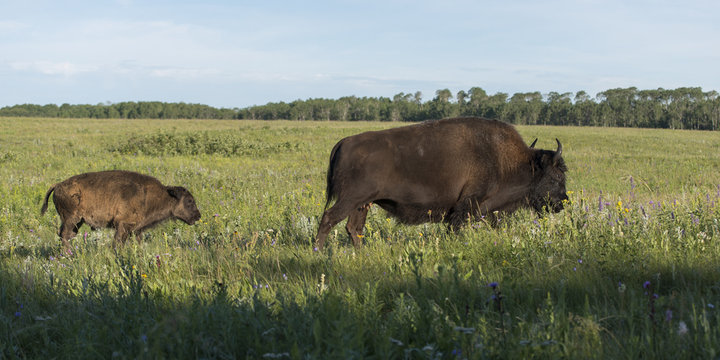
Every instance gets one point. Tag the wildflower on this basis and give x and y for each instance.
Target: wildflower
(646, 284)
(144, 276)
(621, 287)
(493, 284)
(579, 261)
(143, 338)
(668, 315)
(711, 306)
(682, 328)
(17, 314)
(284, 276)
(276, 356)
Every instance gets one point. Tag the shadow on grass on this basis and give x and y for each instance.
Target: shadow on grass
(405, 314)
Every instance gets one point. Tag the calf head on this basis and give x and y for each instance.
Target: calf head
(548, 184)
(185, 208)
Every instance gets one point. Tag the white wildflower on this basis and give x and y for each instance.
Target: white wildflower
(682, 328)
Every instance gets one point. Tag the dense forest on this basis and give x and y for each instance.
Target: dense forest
(682, 108)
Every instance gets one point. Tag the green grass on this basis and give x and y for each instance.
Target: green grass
(245, 281)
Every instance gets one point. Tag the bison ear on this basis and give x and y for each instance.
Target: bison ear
(532, 146)
(539, 161)
(175, 191)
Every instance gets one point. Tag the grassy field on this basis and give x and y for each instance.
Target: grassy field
(631, 268)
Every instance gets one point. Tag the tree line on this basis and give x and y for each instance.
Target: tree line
(681, 108)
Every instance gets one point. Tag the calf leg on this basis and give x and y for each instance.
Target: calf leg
(138, 236)
(355, 224)
(121, 233)
(68, 230)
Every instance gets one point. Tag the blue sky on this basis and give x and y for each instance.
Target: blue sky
(243, 53)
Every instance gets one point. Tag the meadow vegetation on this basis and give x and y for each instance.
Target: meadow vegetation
(631, 268)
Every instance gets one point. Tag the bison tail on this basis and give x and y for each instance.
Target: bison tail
(45, 202)
(330, 191)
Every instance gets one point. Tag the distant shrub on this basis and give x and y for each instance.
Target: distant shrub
(208, 143)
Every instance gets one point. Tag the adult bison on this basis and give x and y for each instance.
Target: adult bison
(126, 201)
(444, 170)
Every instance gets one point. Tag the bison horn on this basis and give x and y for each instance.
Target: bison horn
(532, 146)
(558, 152)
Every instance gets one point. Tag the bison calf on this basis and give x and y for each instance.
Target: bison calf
(126, 201)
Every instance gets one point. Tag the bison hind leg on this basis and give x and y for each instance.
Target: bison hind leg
(340, 210)
(355, 224)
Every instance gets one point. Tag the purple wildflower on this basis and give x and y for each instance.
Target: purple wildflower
(646, 284)
(493, 284)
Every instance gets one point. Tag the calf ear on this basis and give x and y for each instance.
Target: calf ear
(176, 191)
(532, 146)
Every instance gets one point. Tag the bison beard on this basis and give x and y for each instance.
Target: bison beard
(448, 170)
(126, 201)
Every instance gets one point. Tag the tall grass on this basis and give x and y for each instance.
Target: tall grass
(629, 270)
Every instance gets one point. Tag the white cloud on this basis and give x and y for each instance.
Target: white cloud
(12, 26)
(53, 68)
(182, 73)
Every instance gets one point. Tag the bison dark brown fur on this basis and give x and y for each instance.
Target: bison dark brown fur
(446, 170)
(126, 201)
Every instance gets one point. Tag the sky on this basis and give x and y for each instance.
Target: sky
(235, 54)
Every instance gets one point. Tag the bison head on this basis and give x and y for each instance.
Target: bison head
(185, 208)
(548, 184)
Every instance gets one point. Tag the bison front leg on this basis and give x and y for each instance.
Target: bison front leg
(355, 224)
